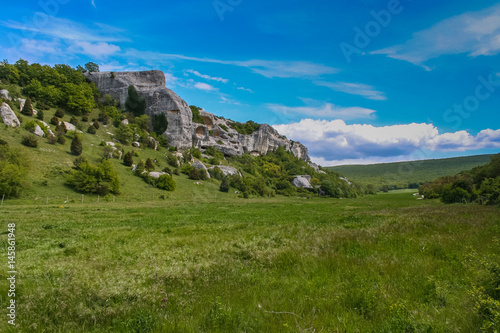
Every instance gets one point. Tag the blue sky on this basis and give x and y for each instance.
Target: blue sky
(355, 81)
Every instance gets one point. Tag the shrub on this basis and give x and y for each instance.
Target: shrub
(134, 103)
(103, 118)
(13, 169)
(91, 129)
(216, 173)
(59, 113)
(149, 165)
(54, 120)
(101, 179)
(159, 123)
(76, 146)
(78, 161)
(73, 121)
(27, 108)
(139, 168)
(198, 174)
(224, 127)
(39, 115)
(61, 129)
(195, 152)
(124, 134)
(52, 139)
(61, 139)
(224, 186)
(196, 114)
(128, 159)
(85, 118)
(42, 106)
(30, 140)
(95, 123)
(172, 160)
(166, 182)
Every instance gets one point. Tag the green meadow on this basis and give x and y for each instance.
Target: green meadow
(383, 263)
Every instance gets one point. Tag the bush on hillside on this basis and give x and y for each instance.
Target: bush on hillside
(59, 113)
(96, 179)
(76, 146)
(30, 140)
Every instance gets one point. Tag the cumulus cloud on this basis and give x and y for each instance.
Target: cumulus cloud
(335, 141)
(98, 50)
(359, 89)
(474, 33)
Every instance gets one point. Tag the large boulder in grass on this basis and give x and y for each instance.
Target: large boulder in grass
(8, 116)
(38, 131)
(303, 181)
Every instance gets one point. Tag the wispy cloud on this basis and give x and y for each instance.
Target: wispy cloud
(93, 3)
(70, 30)
(245, 89)
(204, 86)
(267, 68)
(360, 89)
(474, 33)
(98, 50)
(207, 77)
(336, 142)
(325, 111)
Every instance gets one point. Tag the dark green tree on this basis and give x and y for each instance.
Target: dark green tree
(160, 123)
(224, 186)
(128, 159)
(76, 146)
(39, 115)
(92, 67)
(149, 165)
(27, 108)
(135, 103)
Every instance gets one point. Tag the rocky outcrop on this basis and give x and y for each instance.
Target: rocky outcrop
(8, 116)
(4, 93)
(227, 170)
(38, 131)
(181, 131)
(200, 166)
(303, 181)
(150, 85)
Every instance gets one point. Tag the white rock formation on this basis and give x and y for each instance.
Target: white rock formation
(4, 93)
(8, 116)
(303, 181)
(38, 131)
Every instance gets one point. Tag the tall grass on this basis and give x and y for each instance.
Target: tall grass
(386, 263)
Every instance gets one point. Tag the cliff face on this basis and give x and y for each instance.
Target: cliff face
(150, 85)
(181, 131)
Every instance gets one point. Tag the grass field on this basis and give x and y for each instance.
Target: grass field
(385, 263)
(402, 174)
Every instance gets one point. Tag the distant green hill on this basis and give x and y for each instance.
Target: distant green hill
(409, 174)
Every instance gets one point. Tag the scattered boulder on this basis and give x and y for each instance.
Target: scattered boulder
(109, 143)
(153, 143)
(136, 144)
(4, 93)
(227, 170)
(119, 154)
(302, 181)
(21, 103)
(124, 122)
(50, 133)
(346, 180)
(38, 131)
(8, 116)
(69, 126)
(156, 174)
(199, 165)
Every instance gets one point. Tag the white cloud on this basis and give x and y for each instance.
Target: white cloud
(207, 77)
(360, 89)
(204, 86)
(98, 50)
(336, 142)
(93, 3)
(326, 110)
(245, 89)
(225, 100)
(474, 33)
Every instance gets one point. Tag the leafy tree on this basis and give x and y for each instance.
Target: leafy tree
(76, 146)
(92, 67)
(160, 123)
(196, 114)
(166, 182)
(142, 122)
(124, 134)
(101, 179)
(224, 186)
(128, 158)
(27, 108)
(13, 169)
(135, 103)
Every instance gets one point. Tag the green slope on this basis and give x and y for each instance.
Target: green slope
(404, 174)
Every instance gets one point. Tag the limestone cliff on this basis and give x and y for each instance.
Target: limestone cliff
(150, 85)
(181, 131)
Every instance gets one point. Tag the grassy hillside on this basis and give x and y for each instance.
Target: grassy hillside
(404, 174)
(386, 263)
